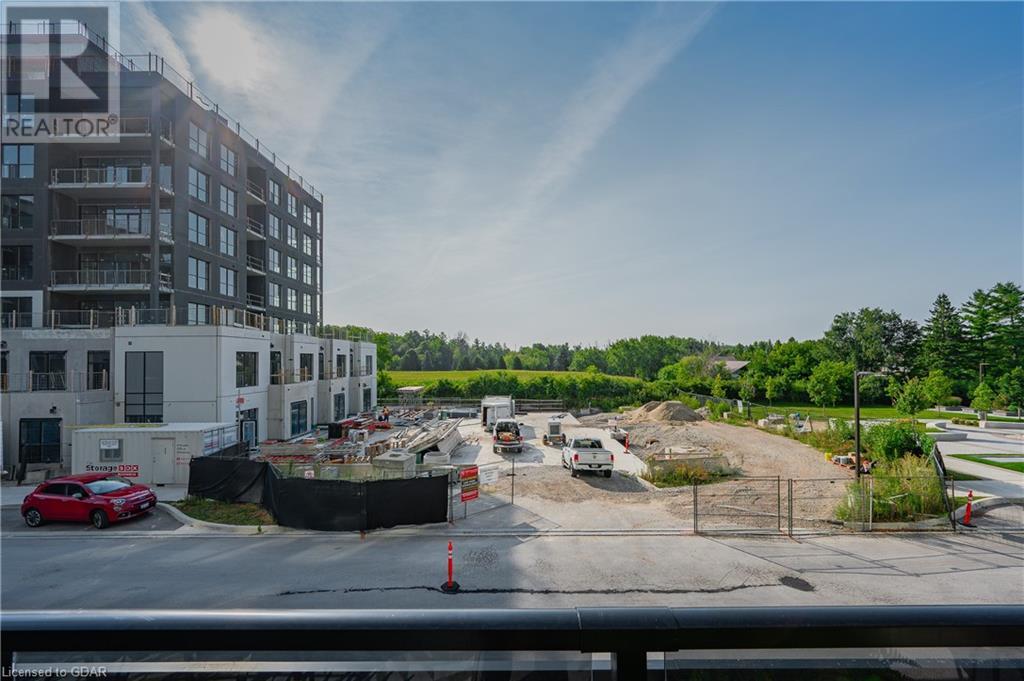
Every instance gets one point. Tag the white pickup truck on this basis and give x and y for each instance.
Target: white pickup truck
(587, 454)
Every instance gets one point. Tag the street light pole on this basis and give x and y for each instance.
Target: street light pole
(856, 420)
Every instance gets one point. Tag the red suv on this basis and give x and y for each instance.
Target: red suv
(98, 498)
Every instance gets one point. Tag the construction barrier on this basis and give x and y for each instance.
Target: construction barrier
(312, 504)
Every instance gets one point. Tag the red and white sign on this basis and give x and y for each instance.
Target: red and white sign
(128, 470)
(470, 478)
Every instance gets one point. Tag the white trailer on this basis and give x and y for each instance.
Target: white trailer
(494, 407)
(152, 454)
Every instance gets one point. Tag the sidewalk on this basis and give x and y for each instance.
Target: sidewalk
(13, 495)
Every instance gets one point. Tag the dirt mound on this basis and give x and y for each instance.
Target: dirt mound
(663, 412)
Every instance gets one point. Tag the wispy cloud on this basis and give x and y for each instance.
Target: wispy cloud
(145, 32)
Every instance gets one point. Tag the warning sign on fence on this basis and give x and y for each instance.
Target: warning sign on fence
(470, 479)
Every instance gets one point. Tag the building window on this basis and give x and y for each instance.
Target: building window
(293, 206)
(275, 192)
(274, 294)
(275, 367)
(22, 104)
(228, 279)
(198, 185)
(19, 161)
(292, 299)
(228, 160)
(48, 370)
(198, 141)
(17, 263)
(368, 366)
(274, 260)
(198, 229)
(39, 441)
(306, 366)
(246, 364)
(293, 268)
(307, 244)
(307, 274)
(293, 236)
(143, 387)
(18, 211)
(227, 200)
(228, 241)
(307, 215)
(307, 303)
(300, 417)
(198, 314)
(274, 225)
(98, 369)
(198, 274)
(341, 365)
(339, 406)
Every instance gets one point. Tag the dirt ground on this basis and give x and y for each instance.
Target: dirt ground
(755, 500)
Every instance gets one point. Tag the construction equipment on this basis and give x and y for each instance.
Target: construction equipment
(555, 436)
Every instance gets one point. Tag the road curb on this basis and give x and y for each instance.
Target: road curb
(205, 526)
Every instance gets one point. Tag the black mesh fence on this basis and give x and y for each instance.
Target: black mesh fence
(321, 504)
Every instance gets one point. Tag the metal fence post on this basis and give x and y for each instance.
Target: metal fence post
(778, 502)
(790, 502)
(513, 481)
(952, 512)
(696, 527)
(871, 502)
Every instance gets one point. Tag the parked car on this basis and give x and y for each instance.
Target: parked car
(97, 498)
(507, 437)
(587, 454)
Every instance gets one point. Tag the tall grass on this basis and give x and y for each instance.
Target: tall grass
(900, 490)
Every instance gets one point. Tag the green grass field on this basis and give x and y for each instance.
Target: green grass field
(403, 378)
(986, 460)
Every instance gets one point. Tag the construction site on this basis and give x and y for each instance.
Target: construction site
(734, 479)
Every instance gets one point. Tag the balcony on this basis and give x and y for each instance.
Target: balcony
(255, 265)
(58, 381)
(99, 281)
(110, 182)
(132, 132)
(256, 301)
(255, 227)
(255, 193)
(102, 231)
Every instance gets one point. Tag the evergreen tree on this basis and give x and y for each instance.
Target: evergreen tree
(979, 329)
(943, 345)
(1008, 335)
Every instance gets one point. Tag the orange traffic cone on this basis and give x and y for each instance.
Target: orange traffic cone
(967, 512)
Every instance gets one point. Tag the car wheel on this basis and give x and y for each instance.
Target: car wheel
(99, 519)
(607, 474)
(33, 518)
(573, 472)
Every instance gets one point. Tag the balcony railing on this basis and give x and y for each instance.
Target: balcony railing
(255, 226)
(255, 300)
(291, 377)
(100, 228)
(111, 176)
(255, 190)
(129, 126)
(58, 381)
(105, 278)
(255, 263)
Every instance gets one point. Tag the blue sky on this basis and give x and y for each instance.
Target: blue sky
(586, 171)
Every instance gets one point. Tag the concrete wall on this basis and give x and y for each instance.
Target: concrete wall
(72, 408)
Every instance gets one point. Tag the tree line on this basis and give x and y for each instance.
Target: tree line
(958, 355)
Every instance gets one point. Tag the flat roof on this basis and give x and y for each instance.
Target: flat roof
(158, 427)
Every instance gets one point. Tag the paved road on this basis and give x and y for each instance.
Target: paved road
(104, 570)
(999, 482)
(157, 520)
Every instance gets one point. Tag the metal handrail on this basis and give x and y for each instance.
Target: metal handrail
(101, 227)
(254, 300)
(255, 263)
(99, 277)
(255, 190)
(111, 175)
(254, 225)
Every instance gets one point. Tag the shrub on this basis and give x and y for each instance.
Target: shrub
(842, 429)
(680, 475)
(889, 441)
(901, 490)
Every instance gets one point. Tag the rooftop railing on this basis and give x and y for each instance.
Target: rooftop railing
(154, 63)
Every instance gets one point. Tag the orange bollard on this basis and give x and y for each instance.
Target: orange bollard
(451, 586)
(967, 513)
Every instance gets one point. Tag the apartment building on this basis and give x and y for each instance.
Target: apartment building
(170, 273)
(181, 212)
(274, 386)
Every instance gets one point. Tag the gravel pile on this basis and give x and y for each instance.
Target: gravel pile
(670, 412)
